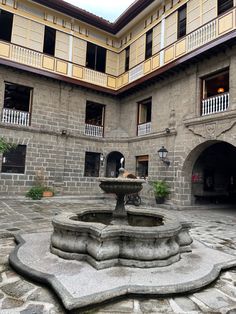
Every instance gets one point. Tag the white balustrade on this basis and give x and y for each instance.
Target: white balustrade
(93, 130)
(215, 104)
(144, 128)
(95, 77)
(202, 35)
(136, 73)
(26, 56)
(17, 117)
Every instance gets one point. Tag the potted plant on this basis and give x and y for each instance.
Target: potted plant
(48, 192)
(161, 191)
(40, 190)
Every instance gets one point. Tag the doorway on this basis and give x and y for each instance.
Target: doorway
(113, 164)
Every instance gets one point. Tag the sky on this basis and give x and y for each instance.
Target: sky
(108, 9)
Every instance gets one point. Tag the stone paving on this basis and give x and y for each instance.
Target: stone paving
(215, 227)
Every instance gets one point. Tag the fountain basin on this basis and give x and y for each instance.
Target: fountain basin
(148, 240)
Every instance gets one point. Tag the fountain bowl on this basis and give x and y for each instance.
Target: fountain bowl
(121, 185)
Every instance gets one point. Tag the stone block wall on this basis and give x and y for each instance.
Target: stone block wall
(175, 106)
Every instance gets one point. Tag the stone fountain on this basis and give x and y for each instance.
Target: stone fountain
(120, 237)
(96, 256)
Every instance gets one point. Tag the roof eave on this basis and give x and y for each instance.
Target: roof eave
(94, 20)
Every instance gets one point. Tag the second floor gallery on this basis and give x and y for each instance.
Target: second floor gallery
(66, 43)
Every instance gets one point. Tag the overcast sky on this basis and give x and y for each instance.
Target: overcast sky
(108, 9)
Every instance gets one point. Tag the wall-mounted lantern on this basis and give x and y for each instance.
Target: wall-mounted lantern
(163, 152)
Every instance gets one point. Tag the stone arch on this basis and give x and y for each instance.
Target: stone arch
(113, 163)
(190, 179)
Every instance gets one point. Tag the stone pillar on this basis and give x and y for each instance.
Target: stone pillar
(232, 83)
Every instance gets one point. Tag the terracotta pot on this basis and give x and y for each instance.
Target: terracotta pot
(47, 194)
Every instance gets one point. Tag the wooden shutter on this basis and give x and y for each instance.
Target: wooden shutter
(156, 46)
(122, 62)
(142, 113)
(79, 51)
(209, 10)
(171, 29)
(27, 33)
(141, 49)
(62, 46)
(137, 51)
(111, 62)
(193, 15)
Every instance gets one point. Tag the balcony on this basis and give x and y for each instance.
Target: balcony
(11, 116)
(215, 104)
(144, 128)
(93, 130)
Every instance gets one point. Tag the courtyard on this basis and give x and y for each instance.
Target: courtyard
(212, 225)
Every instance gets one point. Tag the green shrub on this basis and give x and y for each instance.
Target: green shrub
(36, 192)
(161, 188)
(6, 147)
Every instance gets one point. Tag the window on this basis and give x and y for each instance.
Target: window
(145, 111)
(142, 166)
(215, 96)
(49, 41)
(92, 164)
(144, 116)
(6, 19)
(182, 21)
(94, 119)
(17, 104)
(127, 55)
(96, 58)
(148, 51)
(17, 97)
(94, 113)
(13, 161)
(216, 84)
(224, 5)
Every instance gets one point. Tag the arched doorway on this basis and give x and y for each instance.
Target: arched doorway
(213, 173)
(113, 164)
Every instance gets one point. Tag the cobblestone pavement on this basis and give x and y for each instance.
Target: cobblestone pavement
(214, 226)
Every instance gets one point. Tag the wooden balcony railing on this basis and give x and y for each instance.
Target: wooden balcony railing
(215, 104)
(93, 130)
(202, 35)
(11, 116)
(95, 77)
(144, 128)
(26, 56)
(136, 73)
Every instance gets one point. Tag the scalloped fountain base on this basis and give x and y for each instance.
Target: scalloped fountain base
(147, 240)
